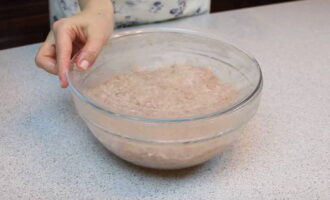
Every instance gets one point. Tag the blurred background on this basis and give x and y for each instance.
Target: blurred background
(26, 21)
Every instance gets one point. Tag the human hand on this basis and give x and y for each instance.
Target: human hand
(81, 36)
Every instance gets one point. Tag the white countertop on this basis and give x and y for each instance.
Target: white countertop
(46, 151)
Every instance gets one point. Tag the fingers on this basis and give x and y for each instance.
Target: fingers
(71, 38)
(45, 57)
(76, 48)
(91, 50)
(63, 42)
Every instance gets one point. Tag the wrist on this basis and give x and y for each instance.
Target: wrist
(103, 8)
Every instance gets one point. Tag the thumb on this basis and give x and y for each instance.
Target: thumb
(88, 54)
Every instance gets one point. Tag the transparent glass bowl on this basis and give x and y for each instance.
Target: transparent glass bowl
(150, 142)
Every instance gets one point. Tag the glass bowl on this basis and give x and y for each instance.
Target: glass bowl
(168, 143)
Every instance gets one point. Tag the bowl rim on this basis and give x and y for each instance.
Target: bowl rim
(126, 33)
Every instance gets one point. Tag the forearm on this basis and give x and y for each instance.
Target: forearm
(102, 7)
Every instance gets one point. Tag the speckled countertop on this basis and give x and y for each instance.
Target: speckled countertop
(46, 151)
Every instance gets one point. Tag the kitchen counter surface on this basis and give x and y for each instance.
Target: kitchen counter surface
(46, 151)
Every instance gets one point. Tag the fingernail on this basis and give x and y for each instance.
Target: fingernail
(51, 64)
(84, 64)
(61, 82)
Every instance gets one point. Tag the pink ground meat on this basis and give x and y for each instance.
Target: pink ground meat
(175, 91)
